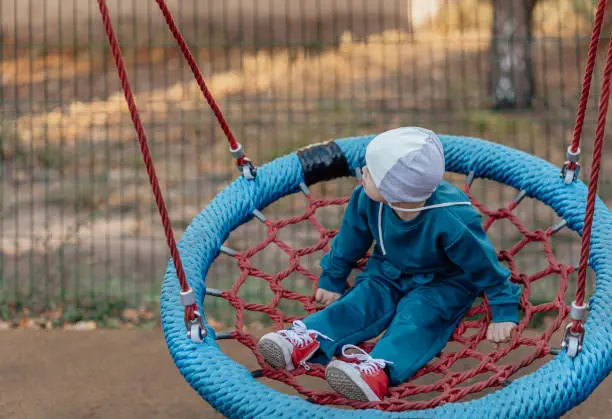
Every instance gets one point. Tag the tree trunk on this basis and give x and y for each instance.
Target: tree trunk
(511, 84)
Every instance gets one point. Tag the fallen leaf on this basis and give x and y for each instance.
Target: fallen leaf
(82, 325)
(29, 324)
(146, 314)
(130, 315)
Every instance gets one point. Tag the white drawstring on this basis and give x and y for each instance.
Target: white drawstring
(380, 233)
(442, 205)
(299, 335)
(367, 364)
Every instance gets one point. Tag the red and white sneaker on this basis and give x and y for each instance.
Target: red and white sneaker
(287, 349)
(364, 380)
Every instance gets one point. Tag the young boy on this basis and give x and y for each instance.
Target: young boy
(430, 261)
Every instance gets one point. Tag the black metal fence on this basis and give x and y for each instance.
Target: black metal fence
(80, 233)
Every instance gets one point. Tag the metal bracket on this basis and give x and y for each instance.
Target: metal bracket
(572, 341)
(195, 328)
(470, 178)
(259, 215)
(214, 292)
(570, 175)
(304, 189)
(521, 195)
(248, 170)
(228, 251)
(559, 226)
(224, 335)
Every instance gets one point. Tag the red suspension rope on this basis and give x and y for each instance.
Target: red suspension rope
(588, 75)
(597, 153)
(146, 153)
(234, 145)
(570, 169)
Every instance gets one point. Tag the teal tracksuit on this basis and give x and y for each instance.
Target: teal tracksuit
(422, 277)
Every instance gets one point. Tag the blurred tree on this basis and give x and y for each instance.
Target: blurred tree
(511, 83)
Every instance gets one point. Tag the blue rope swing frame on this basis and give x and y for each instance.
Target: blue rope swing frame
(552, 390)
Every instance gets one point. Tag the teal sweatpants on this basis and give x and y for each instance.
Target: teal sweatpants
(419, 315)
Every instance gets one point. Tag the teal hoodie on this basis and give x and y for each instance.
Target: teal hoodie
(444, 242)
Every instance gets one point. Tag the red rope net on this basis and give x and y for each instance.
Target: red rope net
(445, 385)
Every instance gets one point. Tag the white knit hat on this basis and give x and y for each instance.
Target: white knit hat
(406, 164)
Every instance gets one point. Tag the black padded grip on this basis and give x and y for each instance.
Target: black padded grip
(322, 162)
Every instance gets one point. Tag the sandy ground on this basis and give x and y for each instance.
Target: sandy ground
(123, 374)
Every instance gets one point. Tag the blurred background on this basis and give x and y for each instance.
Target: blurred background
(81, 240)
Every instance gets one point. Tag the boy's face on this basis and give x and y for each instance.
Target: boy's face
(369, 187)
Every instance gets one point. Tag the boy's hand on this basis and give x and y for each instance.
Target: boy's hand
(500, 332)
(325, 297)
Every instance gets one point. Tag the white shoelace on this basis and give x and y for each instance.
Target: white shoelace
(299, 335)
(367, 364)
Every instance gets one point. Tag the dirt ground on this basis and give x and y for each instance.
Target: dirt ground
(123, 374)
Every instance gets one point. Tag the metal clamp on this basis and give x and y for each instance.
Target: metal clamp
(571, 167)
(577, 312)
(238, 153)
(247, 169)
(188, 297)
(572, 341)
(195, 328)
